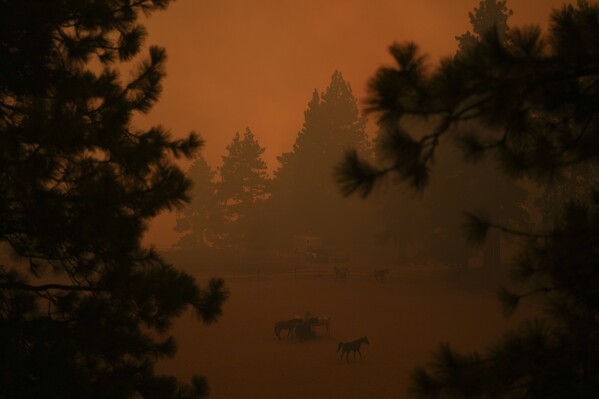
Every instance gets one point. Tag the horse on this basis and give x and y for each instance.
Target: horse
(354, 346)
(322, 321)
(341, 273)
(288, 325)
(379, 274)
(306, 328)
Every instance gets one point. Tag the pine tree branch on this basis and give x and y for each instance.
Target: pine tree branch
(47, 287)
(130, 6)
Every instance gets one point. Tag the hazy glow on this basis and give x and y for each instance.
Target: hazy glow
(237, 63)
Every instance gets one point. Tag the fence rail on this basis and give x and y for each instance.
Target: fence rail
(324, 271)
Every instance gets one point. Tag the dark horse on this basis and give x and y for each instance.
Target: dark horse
(354, 346)
(323, 321)
(379, 274)
(306, 329)
(341, 273)
(288, 325)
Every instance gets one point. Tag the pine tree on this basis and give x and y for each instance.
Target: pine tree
(304, 181)
(85, 309)
(535, 101)
(490, 17)
(243, 187)
(504, 197)
(575, 184)
(458, 187)
(201, 219)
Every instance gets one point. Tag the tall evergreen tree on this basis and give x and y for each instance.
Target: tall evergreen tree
(244, 184)
(431, 222)
(305, 198)
(85, 309)
(201, 220)
(457, 187)
(575, 184)
(501, 197)
(491, 16)
(536, 101)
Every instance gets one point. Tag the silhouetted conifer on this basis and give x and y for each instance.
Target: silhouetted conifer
(433, 222)
(305, 198)
(85, 309)
(200, 221)
(243, 187)
(535, 100)
(489, 16)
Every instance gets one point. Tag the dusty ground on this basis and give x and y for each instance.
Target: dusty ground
(404, 318)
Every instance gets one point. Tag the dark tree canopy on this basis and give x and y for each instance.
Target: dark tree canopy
(489, 17)
(531, 104)
(201, 220)
(433, 221)
(244, 185)
(576, 184)
(84, 307)
(304, 181)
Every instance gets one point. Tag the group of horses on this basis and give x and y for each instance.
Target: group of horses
(303, 328)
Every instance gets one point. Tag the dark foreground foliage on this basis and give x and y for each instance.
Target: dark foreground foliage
(530, 101)
(85, 309)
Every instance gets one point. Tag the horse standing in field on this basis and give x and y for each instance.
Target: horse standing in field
(323, 321)
(341, 273)
(288, 325)
(305, 329)
(380, 274)
(354, 346)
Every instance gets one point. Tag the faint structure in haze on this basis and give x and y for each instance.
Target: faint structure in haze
(380, 274)
(341, 273)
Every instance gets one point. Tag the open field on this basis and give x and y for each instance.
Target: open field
(404, 317)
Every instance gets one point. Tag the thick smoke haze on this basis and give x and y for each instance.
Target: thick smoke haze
(299, 199)
(236, 64)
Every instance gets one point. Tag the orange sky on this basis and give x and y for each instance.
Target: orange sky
(255, 63)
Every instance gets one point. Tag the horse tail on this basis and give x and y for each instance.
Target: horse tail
(339, 347)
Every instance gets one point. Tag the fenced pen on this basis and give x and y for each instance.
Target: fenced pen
(293, 266)
(286, 272)
(289, 266)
